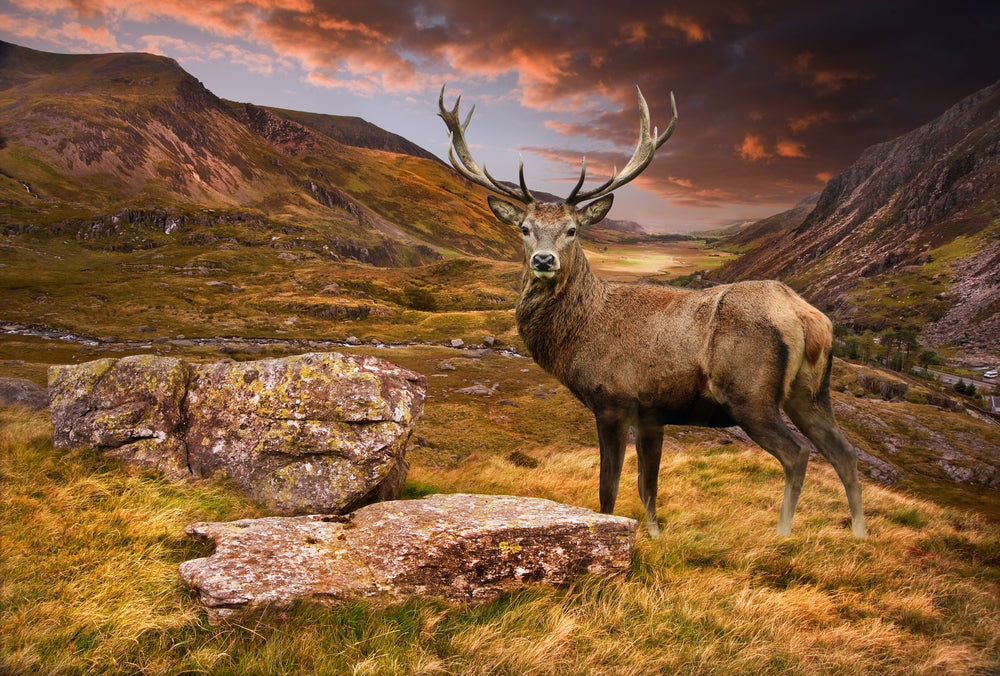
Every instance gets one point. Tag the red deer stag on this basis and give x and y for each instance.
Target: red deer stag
(645, 356)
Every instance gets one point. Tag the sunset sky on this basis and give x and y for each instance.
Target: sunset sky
(774, 97)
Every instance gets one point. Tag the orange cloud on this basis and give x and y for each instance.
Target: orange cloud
(692, 31)
(790, 149)
(803, 122)
(752, 149)
(71, 32)
(634, 33)
(826, 79)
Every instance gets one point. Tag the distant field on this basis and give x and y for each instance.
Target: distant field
(655, 260)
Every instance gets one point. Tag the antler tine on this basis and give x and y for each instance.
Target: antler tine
(643, 155)
(466, 165)
(579, 184)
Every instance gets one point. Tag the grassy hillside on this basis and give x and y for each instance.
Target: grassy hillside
(90, 550)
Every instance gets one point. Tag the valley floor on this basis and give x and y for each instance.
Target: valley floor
(89, 549)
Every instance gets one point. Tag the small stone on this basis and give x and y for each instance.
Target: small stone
(23, 392)
(457, 342)
(476, 390)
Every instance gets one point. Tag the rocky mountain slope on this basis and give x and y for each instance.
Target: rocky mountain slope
(353, 131)
(908, 236)
(129, 142)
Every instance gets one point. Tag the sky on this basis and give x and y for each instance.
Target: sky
(774, 98)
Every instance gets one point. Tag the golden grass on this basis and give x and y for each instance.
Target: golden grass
(89, 554)
(653, 260)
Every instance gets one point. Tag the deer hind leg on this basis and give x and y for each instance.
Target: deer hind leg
(649, 447)
(771, 434)
(612, 434)
(815, 418)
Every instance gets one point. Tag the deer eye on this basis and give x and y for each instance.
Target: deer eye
(571, 232)
(525, 230)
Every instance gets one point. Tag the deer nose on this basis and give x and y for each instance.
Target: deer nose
(543, 261)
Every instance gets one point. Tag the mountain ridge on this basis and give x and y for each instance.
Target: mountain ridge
(913, 224)
(90, 135)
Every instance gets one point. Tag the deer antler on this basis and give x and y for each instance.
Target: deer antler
(468, 166)
(643, 155)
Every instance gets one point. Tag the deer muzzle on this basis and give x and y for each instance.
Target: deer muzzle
(544, 264)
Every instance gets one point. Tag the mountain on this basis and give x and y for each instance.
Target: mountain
(352, 131)
(129, 142)
(906, 237)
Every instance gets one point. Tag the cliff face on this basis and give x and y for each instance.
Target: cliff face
(909, 235)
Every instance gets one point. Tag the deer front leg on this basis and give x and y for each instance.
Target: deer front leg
(649, 446)
(612, 433)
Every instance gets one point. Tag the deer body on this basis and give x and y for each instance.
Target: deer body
(645, 356)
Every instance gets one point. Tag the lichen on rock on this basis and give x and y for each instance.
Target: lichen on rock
(318, 432)
(456, 547)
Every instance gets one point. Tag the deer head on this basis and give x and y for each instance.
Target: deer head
(550, 228)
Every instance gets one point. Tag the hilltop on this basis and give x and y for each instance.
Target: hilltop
(907, 237)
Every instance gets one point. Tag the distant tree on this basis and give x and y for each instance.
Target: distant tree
(842, 331)
(968, 389)
(928, 358)
(890, 350)
(907, 344)
(897, 347)
(866, 346)
(844, 342)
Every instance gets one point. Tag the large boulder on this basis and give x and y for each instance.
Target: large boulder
(317, 432)
(456, 547)
(320, 432)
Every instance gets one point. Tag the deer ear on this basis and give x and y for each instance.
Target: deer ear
(506, 212)
(596, 211)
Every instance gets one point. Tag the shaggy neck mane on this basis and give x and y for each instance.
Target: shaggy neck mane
(552, 313)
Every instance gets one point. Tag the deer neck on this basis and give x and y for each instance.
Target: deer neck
(552, 313)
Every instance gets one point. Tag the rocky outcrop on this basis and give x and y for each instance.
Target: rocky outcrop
(879, 383)
(22, 392)
(319, 432)
(456, 547)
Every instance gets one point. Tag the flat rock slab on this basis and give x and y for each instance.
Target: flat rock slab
(457, 547)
